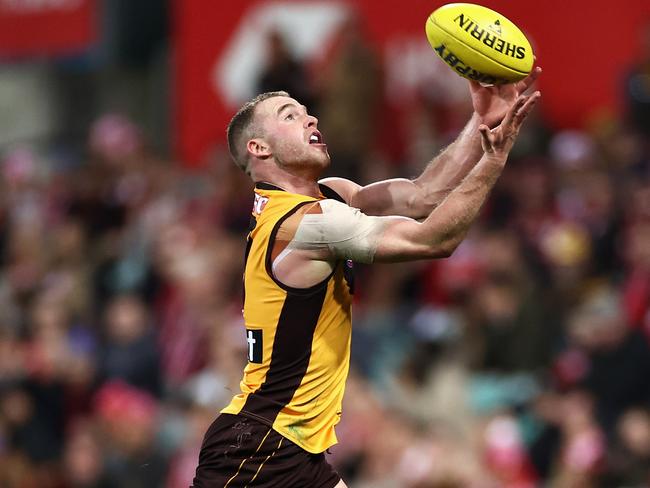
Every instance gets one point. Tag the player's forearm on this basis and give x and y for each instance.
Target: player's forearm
(417, 198)
(448, 169)
(448, 224)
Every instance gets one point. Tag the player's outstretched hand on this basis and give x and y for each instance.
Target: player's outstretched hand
(491, 103)
(498, 141)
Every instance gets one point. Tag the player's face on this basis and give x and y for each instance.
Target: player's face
(292, 134)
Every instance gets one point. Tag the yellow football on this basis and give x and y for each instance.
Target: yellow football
(479, 43)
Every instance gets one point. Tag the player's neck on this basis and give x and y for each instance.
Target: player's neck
(292, 183)
(299, 186)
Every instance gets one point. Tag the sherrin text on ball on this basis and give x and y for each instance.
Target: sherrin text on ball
(479, 43)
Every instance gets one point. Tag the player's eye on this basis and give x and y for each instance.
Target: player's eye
(289, 117)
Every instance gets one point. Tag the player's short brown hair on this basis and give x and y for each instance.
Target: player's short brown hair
(242, 128)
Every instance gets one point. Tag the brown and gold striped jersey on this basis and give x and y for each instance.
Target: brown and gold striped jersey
(298, 339)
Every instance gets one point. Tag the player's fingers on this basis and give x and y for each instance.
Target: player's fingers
(487, 138)
(526, 108)
(510, 115)
(527, 82)
(521, 117)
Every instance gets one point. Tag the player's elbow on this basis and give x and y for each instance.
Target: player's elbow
(443, 253)
(444, 249)
(438, 250)
(446, 243)
(421, 203)
(447, 237)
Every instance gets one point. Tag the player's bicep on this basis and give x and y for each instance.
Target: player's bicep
(397, 196)
(345, 188)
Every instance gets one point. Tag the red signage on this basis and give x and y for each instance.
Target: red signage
(45, 27)
(584, 46)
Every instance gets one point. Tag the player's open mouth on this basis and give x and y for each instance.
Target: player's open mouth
(316, 138)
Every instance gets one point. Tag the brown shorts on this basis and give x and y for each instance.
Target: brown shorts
(241, 452)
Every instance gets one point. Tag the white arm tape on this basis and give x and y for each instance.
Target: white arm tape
(345, 231)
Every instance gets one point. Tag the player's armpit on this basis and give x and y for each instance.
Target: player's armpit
(293, 266)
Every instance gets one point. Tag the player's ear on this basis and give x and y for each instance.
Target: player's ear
(258, 148)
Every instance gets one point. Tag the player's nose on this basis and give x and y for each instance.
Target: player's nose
(311, 121)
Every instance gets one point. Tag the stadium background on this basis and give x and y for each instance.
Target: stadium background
(522, 360)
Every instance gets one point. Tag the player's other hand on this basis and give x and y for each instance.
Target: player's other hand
(491, 103)
(497, 142)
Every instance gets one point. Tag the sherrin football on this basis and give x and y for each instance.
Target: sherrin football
(479, 43)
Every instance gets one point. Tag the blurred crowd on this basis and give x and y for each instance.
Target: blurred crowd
(523, 360)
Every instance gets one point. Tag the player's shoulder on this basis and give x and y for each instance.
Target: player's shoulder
(289, 225)
(326, 220)
(340, 189)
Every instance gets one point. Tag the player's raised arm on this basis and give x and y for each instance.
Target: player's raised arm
(339, 231)
(446, 226)
(418, 197)
(389, 239)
